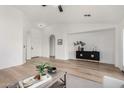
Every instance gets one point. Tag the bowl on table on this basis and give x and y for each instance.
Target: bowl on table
(52, 70)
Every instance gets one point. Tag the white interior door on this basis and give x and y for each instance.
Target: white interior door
(36, 43)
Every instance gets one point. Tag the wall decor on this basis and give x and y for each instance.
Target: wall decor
(59, 41)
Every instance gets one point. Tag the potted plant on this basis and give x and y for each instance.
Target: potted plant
(80, 45)
(42, 70)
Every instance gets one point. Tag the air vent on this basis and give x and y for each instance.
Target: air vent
(87, 15)
(44, 5)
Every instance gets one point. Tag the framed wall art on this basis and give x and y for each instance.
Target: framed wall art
(59, 41)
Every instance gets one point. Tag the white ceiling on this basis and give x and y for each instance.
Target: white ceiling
(73, 14)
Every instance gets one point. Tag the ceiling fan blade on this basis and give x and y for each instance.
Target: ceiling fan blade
(60, 8)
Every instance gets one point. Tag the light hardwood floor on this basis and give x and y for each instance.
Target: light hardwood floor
(87, 70)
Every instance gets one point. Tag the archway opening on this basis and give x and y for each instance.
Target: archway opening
(52, 46)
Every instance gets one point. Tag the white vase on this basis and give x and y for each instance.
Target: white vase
(43, 77)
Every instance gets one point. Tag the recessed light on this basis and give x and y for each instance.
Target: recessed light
(44, 5)
(41, 25)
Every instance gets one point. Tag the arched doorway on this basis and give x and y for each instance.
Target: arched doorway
(52, 46)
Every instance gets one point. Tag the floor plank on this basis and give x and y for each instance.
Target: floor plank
(87, 70)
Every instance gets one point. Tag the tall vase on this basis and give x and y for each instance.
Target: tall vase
(82, 49)
(79, 49)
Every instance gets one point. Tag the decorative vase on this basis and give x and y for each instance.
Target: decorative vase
(43, 77)
(52, 70)
(82, 49)
(79, 49)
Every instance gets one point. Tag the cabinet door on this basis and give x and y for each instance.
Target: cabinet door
(95, 56)
(79, 54)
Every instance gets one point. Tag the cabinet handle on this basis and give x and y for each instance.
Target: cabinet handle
(92, 56)
(81, 55)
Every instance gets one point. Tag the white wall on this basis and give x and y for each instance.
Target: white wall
(119, 45)
(58, 31)
(11, 37)
(61, 31)
(75, 28)
(102, 40)
(123, 48)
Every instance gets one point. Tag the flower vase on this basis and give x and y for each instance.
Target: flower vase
(43, 76)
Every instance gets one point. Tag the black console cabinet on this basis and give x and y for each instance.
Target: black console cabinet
(90, 55)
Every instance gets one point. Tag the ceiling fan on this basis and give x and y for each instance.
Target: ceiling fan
(59, 7)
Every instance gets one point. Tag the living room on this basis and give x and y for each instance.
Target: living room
(34, 34)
